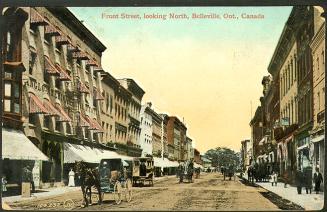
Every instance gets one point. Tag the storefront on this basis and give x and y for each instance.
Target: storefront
(18, 152)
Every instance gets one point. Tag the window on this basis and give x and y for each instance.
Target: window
(12, 91)
(318, 64)
(46, 77)
(32, 118)
(47, 120)
(68, 128)
(58, 83)
(323, 57)
(58, 124)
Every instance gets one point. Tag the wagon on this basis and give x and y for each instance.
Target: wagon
(143, 170)
(114, 180)
(186, 171)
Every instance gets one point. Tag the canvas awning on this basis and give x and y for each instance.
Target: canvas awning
(76, 152)
(318, 138)
(303, 147)
(16, 146)
(158, 162)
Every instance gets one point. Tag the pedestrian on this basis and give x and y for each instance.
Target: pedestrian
(4, 184)
(273, 178)
(71, 178)
(317, 177)
(307, 177)
(299, 181)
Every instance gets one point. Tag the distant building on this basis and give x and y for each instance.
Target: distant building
(146, 130)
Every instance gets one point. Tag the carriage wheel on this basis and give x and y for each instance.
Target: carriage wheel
(117, 192)
(128, 190)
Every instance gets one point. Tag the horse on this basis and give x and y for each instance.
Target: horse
(88, 178)
(189, 169)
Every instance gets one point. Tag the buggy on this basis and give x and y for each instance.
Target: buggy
(113, 179)
(143, 170)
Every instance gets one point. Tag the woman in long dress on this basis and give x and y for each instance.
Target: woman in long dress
(71, 182)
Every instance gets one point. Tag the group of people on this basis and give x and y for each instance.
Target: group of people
(302, 178)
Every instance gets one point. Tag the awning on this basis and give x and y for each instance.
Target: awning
(76, 152)
(94, 125)
(158, 162)
(318, 138)
(80, 55)
(49, 67)
(303, 147)
(97, 94)
(82, 121)
(63, 76)
(51, 30)
(52, 110)
(17, 66)
(16, 146)
(36, 105)
(37, 19)
(62, 40)
(63, 115)
(82, 88)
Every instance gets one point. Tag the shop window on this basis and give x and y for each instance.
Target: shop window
(12, 91)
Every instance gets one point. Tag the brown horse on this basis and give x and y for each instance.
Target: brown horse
(88, 178)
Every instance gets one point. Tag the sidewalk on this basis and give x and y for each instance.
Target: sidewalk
(44, 193)
(307, 201)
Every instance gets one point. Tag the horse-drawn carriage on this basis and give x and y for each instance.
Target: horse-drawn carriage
(186, 171)
(114, 179)
(229, 172)
(143, 170)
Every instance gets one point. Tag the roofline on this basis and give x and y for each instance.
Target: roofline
(75, 25)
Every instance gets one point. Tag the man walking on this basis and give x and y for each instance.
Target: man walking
(317, 177)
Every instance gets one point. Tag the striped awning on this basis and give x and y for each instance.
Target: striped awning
(82, 121)
(36, 105)
(62, 40)
(72, 48)
(82, 88)
(97, 94)
(94, 125)
(80, 55)
(91, 63)
(49, 67)
(51, 30)
(52, 110)
(63, 115)
(63, 74)
(37, 19)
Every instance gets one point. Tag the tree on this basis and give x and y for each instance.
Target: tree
(223, 156)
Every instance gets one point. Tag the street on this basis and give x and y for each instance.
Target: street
(210, 192)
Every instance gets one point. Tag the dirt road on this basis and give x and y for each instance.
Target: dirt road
(210, 192)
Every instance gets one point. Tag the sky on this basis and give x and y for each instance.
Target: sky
(205, 71)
